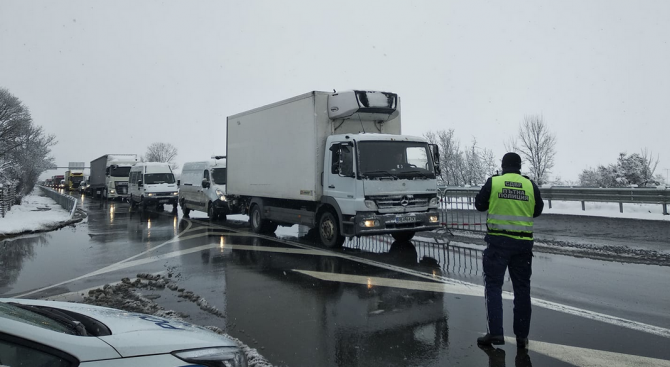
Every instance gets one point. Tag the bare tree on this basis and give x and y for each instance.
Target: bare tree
(451, 159)
(161, 152)
(537, 145)
(650, 164)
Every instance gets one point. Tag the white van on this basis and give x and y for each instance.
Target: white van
(203, 188)
(152, 184)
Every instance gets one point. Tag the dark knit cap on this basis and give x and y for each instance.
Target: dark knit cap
(511, 160)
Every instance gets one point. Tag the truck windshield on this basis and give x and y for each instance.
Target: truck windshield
(158, 178)
(120, 171)
(76, 179)
(219, 176)
(396, 159)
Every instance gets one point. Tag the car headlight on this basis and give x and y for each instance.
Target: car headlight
(370, 204)
(150, 194)
(214, 357)
(434, 201)
(221, 195)
(175, 193)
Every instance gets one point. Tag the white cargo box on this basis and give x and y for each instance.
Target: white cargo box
(277, 151)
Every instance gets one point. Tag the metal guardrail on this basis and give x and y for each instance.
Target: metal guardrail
(7, 197)
(457, 203)
(68, 202)
(450, 259)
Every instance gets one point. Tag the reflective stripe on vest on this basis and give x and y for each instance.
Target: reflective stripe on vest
(511, 207)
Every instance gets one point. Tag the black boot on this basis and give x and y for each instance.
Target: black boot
(489, 339)
(522, 343)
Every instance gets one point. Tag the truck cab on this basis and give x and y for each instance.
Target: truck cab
(381, 183)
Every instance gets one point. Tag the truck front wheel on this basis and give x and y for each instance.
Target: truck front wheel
(329, 230)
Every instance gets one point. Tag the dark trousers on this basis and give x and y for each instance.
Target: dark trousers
(518, 260)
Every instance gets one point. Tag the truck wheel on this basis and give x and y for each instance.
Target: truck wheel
(403, 236)
(104, 194)
(211, 211)
(143, 204)
(184, 209)
(256, 219)
(329, 230)
(160, 208)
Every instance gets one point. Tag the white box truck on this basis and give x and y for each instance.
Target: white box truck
(109, 175)
(335, 162)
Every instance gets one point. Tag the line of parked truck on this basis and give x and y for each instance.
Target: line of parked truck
(335, 162)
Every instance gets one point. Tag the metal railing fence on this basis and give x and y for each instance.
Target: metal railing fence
(68, 202)
(7, 197)
(457, 208)
(451, 259)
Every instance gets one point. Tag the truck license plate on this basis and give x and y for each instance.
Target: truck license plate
(161, 201)
(405, 219)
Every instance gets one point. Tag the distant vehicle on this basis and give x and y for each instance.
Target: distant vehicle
(203, 188)
(57, 182)
(152, 184)
(84, 188)
(332, 161)
(63, 334)
(73, 179)
(109, 175)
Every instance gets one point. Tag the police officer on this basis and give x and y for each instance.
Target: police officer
(512, 201)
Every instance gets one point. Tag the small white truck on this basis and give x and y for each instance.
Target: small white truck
(332, 161)
(109, 175)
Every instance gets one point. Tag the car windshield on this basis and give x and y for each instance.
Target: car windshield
(158, 178)
(120, 171)
(11, 312)
(399, 159)
(219, 176)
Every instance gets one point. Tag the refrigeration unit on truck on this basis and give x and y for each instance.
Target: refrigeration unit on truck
(73, 180)
(109, 175)
(336, 162)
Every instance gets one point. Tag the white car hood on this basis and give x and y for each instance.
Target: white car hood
(135, 334)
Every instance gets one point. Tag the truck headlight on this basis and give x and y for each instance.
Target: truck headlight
(434, 202)
(112, 191)
(433, 218)
(221, 195)
(150, 194)
(370, 204)
(175, 193)
(214, 357)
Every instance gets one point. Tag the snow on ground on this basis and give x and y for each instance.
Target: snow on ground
(35, 213)
(610, 210)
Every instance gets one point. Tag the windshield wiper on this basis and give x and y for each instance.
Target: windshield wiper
(424, 174)
(367, 174)
(72, 324)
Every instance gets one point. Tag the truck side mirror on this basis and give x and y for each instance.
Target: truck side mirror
(436, 158)
(139, 183)
(178, 182)
(205, 184)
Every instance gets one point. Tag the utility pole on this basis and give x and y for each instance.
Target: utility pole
(666, 176)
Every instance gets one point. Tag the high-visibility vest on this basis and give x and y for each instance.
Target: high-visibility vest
(511, 207)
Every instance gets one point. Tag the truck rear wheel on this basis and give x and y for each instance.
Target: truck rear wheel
(329, 230)
(403, 236)
(258, 224)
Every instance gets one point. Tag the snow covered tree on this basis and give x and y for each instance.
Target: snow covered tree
(537, 146)
(161, 152)
(630, 169)
(24, 147)
(471, 166)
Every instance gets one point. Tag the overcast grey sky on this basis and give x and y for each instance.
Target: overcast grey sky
(115, 76)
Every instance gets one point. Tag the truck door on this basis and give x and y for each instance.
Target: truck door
(340, 182)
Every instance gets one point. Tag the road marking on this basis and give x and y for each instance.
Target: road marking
(573, 355)
(591, 357)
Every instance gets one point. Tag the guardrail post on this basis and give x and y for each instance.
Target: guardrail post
(583, 207)
(621, 207)
(665, 209)
(549, 203)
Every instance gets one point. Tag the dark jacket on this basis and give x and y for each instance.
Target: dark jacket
(482, 204)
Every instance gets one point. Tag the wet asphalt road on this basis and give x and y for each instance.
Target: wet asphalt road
(373, 303)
